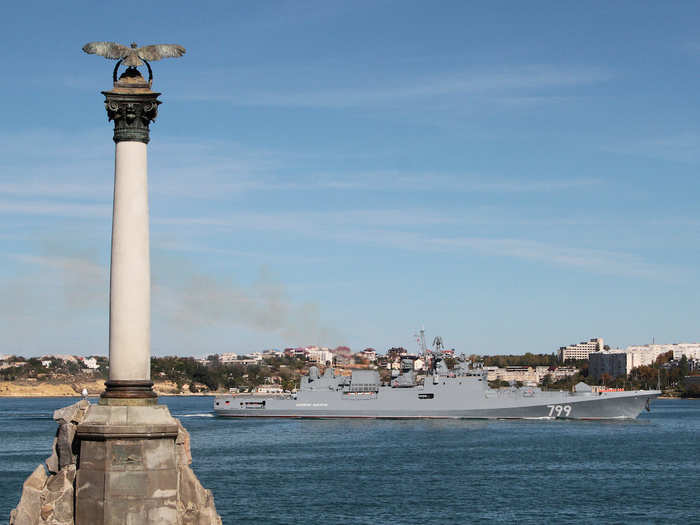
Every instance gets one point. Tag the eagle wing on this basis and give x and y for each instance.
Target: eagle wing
(107, 49)
(158, 51)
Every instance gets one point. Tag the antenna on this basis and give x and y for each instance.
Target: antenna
(420, 341)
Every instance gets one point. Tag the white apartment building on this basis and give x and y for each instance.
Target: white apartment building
(91, 363)
(228, 357)
(528, 374)
(320, 355)
(580, 351)
(564, 371)
(542, 371)
(524, 374)
(644, 355)
(611, 362)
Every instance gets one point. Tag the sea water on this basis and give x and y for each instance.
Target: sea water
(414, 472)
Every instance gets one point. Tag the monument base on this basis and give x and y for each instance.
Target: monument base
(121, 465)
(128, 393)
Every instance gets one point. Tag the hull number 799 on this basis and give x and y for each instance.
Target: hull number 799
(558, 410)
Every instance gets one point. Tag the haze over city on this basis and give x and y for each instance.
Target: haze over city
(343, 174)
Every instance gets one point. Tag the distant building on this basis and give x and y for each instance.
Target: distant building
(542, 371)
(11, 365)
(645, 355)
(524, 374)
(580, 351)
(528, 374)
(245, 362)
(61, 357)
(369, 354)
(610, 362)
(563, 372)
(320, 356)
(228, 357)
(342, 355)
(269, 389)
(395, 352)
(90, 363)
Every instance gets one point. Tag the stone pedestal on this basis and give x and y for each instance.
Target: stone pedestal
(128, 467)
(112, 465)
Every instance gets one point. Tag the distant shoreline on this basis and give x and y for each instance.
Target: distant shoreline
(94, 387)
(91, 396)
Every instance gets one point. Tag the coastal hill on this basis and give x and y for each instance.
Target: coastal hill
(274, 372)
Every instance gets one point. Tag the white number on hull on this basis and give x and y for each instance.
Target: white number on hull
(558, 410)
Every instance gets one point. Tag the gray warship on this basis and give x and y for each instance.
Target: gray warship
(462, 393)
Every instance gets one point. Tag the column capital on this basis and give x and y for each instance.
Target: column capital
(132, 106)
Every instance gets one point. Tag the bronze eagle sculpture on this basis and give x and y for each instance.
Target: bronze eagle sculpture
(134, 55)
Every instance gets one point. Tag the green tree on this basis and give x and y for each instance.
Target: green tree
(546, 381)
(662, 359)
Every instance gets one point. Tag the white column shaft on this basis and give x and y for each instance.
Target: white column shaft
(130, 275)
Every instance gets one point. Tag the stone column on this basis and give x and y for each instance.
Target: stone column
(129, 470)
(132, 106)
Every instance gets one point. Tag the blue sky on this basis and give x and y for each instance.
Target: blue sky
(514, 176)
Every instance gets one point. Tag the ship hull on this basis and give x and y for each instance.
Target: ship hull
(398, 404)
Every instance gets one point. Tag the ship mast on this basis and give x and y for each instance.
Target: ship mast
(420, 341)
